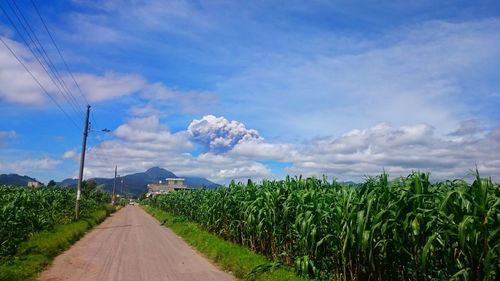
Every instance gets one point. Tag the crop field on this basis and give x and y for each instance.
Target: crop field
(25, 211)
(404, 229)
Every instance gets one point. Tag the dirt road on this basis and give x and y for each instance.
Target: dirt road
(132, 245)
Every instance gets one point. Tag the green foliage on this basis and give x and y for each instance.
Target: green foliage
(240, 261)
(26, 211)
(36, 253)
(404, 229)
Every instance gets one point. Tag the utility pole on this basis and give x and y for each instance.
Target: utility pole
(121, 192)
(82, 161)
(114, 188)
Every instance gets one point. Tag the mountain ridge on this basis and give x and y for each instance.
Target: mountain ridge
(16, 179)
(136, 183)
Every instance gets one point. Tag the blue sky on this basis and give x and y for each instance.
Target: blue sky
(238, 89)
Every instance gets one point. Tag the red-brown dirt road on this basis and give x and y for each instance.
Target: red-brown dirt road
(132, 245)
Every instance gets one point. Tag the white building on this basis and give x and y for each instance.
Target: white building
(34, 184)
(169, 185)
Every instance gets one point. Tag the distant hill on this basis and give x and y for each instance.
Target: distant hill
(68, 182)
(136, 184)
(15, 179)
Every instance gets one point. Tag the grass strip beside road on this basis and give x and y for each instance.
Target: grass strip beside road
(36, 253)
(239, 261)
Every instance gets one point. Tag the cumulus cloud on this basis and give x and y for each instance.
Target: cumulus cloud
(218, 134)
(18, 86)
(138, 144)
(467, 128)
(258, 149)
(150, 130)
(30, 165)
(109, 85)
(144, 110)
(71, 154)
(398, 150)
(144, 142)
(141, 143)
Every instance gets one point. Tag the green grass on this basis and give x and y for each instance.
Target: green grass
(36, 253)
(235, 259)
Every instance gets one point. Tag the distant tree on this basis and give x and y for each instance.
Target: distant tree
(52, 183)
(142, 196)
(89, 184)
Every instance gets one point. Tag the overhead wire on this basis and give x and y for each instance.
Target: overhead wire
(30, 48)
(50, 63)
(61, 56)
(38, 82)
(59, 51)
(52, 71)
(61, 85)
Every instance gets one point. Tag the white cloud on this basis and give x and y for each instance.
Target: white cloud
(18, 87)
(186, 101)
(112, 19)
(150, 130)
(467, 128)
(398, 150)
(413, 74)
(92, 28)
(144, 110)
(71, 154)
(218, 134)
(30, 165)
(142, 143)
(258, 149)
(109, 86)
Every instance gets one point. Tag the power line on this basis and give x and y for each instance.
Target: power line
(38, 82)
(50, 63)
(61, 85)
(29, 47)
(61, 56)
(59, 51)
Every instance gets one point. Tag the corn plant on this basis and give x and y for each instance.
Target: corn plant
(403, 229)
(25, 211)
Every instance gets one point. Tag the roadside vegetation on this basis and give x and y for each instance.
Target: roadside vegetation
(238, 260)
(404, 229)
(38, 223)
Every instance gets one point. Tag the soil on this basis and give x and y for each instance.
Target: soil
(132, 245)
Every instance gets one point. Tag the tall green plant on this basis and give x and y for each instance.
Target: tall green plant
(405, 229)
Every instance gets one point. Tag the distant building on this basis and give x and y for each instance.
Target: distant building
(34, 184)
(169, 185)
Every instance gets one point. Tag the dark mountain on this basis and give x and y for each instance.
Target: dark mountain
(136, 184)
(15, 179)
(197, 182)
(68, 182)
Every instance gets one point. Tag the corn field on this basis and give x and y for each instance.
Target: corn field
(25, 211)
(403, 229)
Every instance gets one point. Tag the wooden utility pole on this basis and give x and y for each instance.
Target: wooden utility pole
(113, 199)
(82, 162)
(121, 191)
